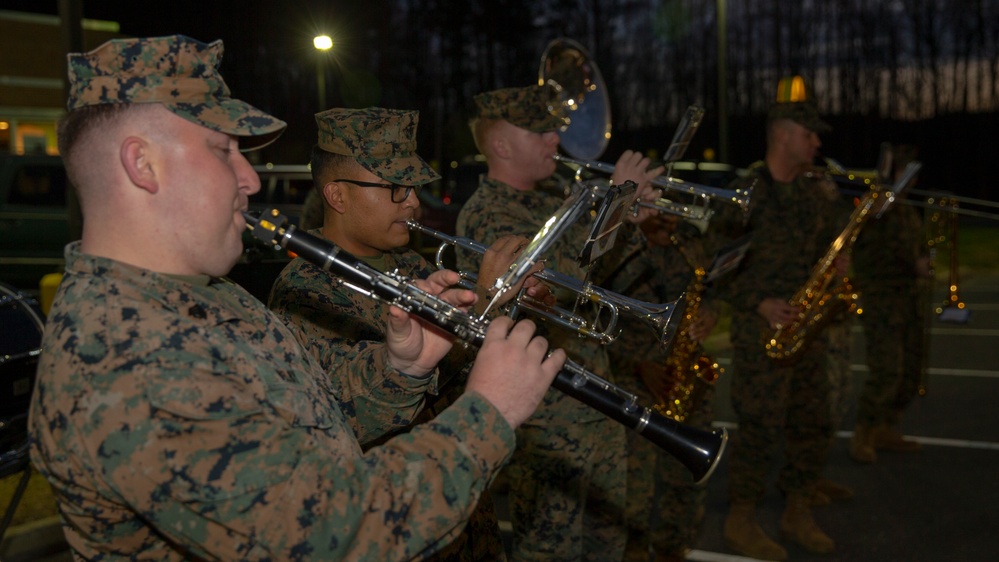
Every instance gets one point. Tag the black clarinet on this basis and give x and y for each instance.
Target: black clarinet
(696, 449)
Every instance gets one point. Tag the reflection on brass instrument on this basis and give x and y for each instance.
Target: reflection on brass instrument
(583, 101)
(685, 130)
(824, 294)
(567, 67)
(565, 216)
(871, 178)
(936, 225)
(953, 309)
(923, 198)
(706, 193)
(696, 449)
(691, 372)
(657, 316)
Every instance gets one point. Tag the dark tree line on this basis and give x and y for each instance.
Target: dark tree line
(879, 69)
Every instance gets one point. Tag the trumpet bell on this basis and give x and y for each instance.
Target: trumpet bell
(583, 100)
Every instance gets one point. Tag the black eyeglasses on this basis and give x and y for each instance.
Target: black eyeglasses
(399, 192)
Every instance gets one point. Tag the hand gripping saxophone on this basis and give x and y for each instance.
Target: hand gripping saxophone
(825, 294)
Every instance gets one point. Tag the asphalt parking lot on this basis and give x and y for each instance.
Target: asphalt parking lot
(941, 503)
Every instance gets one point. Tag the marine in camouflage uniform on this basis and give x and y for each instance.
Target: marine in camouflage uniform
(567, 478)
(664, 507)
(791, 224)
(839, 355)
(174, 415)
(340, 326)
(891, 265)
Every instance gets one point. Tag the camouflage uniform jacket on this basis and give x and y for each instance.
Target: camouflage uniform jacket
(887, 249)
(341, 327)
(497, 209)
(182, 420)
(790, 228)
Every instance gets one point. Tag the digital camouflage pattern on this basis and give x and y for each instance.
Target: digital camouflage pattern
(179, 72)
(178, 419)
(801, 112)
(791, 226)
(839, 360)
(382, 140)
(535, 108)
(664, 506)
(567, 477)
(886, 272)
(340, 327)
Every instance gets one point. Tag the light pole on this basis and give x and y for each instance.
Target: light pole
(722, 81)
(322, 43)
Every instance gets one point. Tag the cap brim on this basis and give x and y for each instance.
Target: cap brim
(550, 123)
(254, 128)
(410, 170)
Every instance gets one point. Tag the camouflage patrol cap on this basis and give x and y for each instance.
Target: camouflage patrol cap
(383, 141)
(801, 112)
(179, 72)
(531, 107)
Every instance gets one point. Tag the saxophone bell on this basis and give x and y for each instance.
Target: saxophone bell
(826, 294)
(688, 370)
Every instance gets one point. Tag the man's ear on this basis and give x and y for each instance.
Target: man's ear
(333, 193)
(136, 159)
(500, 145)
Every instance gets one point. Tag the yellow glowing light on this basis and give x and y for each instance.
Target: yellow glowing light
(791, 89)
(323, 42)
(4, 125)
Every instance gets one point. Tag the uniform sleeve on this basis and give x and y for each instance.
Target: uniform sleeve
(728, 224)
(349, 345)
(237, 470)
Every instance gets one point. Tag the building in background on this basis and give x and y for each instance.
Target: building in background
(32, 77)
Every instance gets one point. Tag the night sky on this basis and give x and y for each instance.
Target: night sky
(269, 61)
(239, 22)
(282, 28)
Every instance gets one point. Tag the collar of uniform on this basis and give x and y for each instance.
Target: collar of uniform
(506, 190)
(169, 290)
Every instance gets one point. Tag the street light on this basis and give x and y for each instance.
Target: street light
(322, 43)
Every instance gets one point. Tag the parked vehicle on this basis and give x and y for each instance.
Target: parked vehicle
(33, 219)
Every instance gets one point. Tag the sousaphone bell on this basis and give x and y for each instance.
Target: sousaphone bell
(581, 98)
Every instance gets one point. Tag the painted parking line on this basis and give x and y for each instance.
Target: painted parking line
(707, 556)
(933, 371)
(937, 441)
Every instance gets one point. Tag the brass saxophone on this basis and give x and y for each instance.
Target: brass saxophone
(689, 370)
(825, 294)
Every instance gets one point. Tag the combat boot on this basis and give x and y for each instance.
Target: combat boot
(744, 535)
(862, 444)
(832, 490)
(890, 439)
(797, 525)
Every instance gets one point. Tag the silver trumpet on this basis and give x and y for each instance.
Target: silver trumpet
(697, 449)
(740, 197)
(602, 328)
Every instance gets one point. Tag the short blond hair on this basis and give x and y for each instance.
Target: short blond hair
(482, 128)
